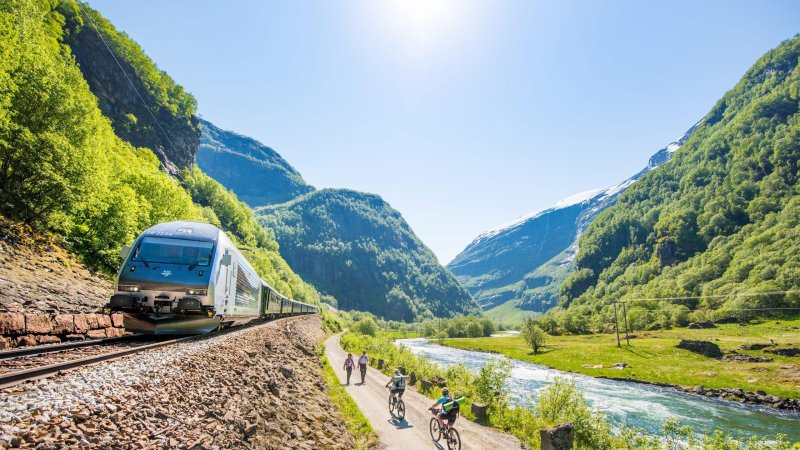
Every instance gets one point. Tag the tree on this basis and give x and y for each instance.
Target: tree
(533, 335)
(474, 329)
(367, 326)
(490, 383)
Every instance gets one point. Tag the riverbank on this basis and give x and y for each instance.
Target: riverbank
(652, 357)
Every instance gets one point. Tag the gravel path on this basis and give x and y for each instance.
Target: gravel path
(259, 387)
(372, 399)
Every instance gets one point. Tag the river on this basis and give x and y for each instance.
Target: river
(631, 404)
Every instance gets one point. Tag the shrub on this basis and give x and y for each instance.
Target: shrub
(366, 326)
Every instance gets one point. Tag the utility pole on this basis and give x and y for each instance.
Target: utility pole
(616, 323)
(625, 316)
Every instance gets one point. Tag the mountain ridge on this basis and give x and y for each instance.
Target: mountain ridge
(501, 266)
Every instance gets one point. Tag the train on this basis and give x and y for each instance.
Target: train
(184, 277)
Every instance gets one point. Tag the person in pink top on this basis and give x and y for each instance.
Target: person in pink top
(349, 365)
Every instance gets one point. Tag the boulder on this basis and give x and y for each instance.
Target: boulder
(412, 379)
(755, 346)
(557, 438)
(704, 348)
(12, 323)
(91, 319)
(96, 334)
(47, 339)
(115, 332)
(425, 385)
(104, 321)
(117, 320)
(81, 323)
(38, 323)
(5, 343)
(25, 341)
(380, 364)
(74, 337)
(736, 357)
(63, 324)
(479, 410)
(789, 351)
(701, 325)
(619, 366)
(726, 320)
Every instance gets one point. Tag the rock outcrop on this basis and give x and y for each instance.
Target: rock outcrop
(137, 114)
(704, 348)
(38, 274)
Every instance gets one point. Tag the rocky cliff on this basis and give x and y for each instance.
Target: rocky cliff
(145, 106)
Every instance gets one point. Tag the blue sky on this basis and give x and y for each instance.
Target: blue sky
(463, 114)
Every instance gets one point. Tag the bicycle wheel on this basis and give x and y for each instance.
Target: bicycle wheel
(391, 404)
(453, 439)
(436, 433)
(401, 410)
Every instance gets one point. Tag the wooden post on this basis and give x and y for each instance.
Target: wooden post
(616, 324)
(625, 314)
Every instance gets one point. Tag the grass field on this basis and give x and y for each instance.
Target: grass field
(357, 425)
(652, 356)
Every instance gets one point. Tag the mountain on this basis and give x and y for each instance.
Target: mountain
(721, 218)
(257, 173)
(357, 248)
(145, 105)
(517, 268)
(83, 159)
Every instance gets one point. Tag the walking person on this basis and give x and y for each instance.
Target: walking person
(349, 365)
(362, 365)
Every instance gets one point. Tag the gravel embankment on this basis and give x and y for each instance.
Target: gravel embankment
(260, 387)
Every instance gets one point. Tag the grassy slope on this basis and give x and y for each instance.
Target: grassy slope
(357, 425)
(653, 357)
(509, 314)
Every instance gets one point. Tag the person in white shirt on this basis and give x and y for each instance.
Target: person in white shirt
(362, 365)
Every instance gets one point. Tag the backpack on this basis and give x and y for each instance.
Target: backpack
(401, 383)
(453, 406)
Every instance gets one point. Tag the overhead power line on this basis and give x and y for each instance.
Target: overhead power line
(713, 296)
(130, 81)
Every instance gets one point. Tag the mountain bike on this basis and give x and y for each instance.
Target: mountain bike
(397, 407)
(451, 435)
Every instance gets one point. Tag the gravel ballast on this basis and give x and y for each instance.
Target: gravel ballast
(259, 387)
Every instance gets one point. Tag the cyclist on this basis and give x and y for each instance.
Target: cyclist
(397, 383)
(450, 416)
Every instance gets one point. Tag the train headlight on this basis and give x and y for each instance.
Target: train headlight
(129, 288)
(197, 291)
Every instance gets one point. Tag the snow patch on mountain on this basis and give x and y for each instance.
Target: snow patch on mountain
(580, 197)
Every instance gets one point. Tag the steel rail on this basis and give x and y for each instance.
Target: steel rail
(51, 348)
(19, 376)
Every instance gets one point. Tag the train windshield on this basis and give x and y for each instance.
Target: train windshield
(174, 251)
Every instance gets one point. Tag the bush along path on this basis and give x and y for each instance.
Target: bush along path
(411, 433)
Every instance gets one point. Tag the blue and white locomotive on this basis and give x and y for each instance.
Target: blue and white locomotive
(189, 278)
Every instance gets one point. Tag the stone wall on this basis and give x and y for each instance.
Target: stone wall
(25, 329)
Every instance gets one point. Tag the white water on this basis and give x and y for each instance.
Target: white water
(631, 404)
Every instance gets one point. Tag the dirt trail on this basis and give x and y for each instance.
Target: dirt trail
(372, 399)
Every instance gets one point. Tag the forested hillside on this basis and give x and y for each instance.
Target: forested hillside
(63, 168)
(357, 248)
(722, 217)
(257, 173)
(517, 269)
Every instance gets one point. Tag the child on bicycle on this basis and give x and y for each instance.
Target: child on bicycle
(397, 383)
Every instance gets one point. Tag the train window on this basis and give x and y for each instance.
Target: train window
(174, 251)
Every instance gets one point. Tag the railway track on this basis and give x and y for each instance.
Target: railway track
(32, 363)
